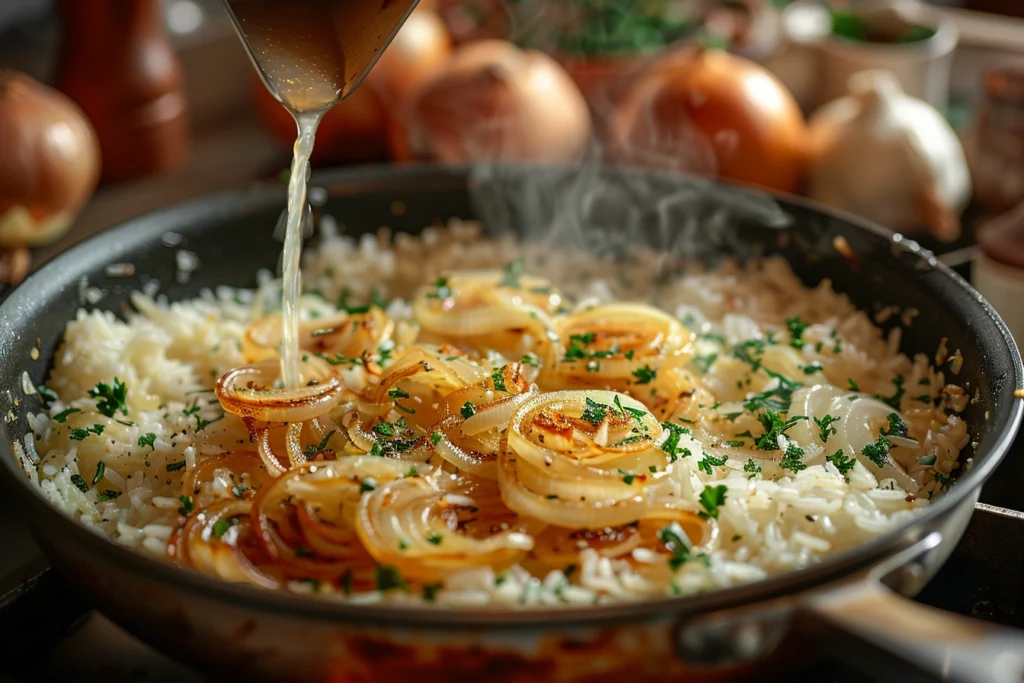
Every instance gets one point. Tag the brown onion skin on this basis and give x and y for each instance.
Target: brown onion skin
(749, 127)
(358, 128)
(495, 102)
(51, 157)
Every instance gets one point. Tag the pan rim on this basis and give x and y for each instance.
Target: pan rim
(146, 228)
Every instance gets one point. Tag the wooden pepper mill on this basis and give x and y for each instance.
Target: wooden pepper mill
(118, 65)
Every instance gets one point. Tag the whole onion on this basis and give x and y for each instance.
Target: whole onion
(709, 112)
(50, 162)
(495, 102)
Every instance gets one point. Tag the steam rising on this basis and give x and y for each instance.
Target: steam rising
(597, 206)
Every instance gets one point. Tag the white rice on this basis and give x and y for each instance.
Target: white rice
(169, 355)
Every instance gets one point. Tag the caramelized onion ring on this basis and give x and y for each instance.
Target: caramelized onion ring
(245, 392)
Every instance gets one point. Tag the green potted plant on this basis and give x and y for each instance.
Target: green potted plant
(603, 42)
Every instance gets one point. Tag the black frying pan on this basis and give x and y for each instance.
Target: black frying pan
(242, 632)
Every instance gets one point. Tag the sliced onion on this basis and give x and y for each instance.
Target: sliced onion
(474, 308)
(345, 334)
(630, 342)
(198, 545)
(413, 525)
(574, 514)
(244, 391)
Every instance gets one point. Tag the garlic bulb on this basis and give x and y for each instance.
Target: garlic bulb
(889, 158)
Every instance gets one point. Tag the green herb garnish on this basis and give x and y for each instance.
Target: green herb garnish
(711, 498)
(110, 399)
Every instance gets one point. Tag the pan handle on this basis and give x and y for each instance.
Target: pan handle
(945, 645)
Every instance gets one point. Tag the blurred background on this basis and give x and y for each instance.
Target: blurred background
(907, 112)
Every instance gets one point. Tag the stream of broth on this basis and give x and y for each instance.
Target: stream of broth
(310, 54)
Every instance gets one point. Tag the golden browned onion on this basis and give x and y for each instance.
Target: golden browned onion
(249, 391)
(476, 310)
(471, 434)
(303, 520)
(581, 459)
(623, 347)
(217, 541)
(350, 335)
(428, 528)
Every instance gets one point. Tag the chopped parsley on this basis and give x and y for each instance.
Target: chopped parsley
(842, 462)
(750, 352)
(322, 446)
(384, 429)
(431, 590)
(530, 359)
(704, 363)
(80, 483)
(398, 393)
(878, 451)
(221, 526)
(388, 578)
(498, 378)
(825, 428)
(671, 443)
(593, 412)
(62, 416)
(341, 360)
(101, 467)
(110, 398)
(109, 494)
(894, 400)
(677, 543)
(175, 466)
(792, 459)
(238, 490)
(411, 473)
(853, 385)
(367, 484)
(796, 328)
(945, 481)
(628, 440)
(80, 433)
(385, 349)
(468, 410)
(778, 399)
(897, 427)
(435, 539)
(645, 374)
(187, 506)
(441, 289)
(711, 498)
(147, 439)
(511, 273)
(709, 461)
(751, 468)
(402, 545)
(47, 394)
(774, 427)
(627, 477)
(811, 368)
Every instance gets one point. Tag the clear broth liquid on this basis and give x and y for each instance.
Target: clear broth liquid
(310, 54)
